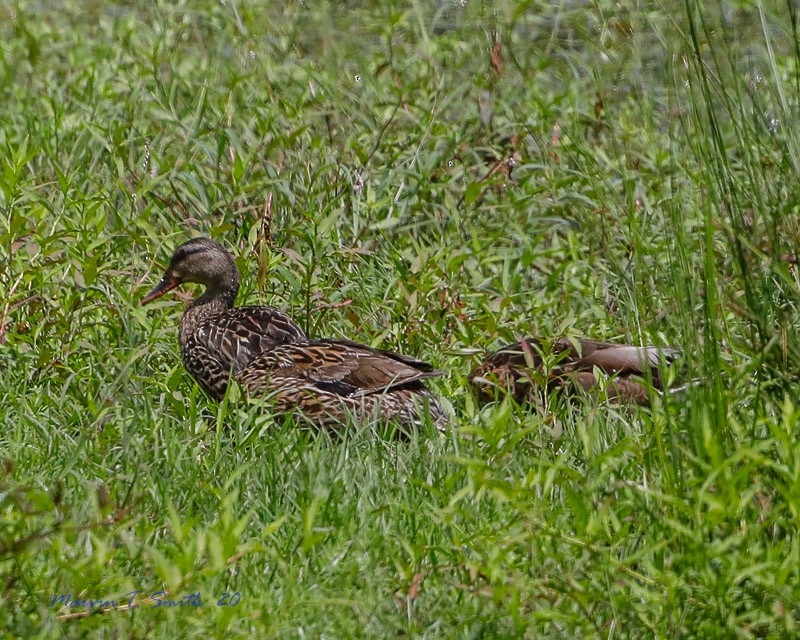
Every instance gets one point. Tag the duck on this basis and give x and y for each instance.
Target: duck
(524, 368)
(326, 381)
(216, 338)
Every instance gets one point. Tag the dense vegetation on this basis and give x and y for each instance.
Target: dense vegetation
(435, 179)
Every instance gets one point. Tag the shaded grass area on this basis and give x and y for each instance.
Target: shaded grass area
(432, 179)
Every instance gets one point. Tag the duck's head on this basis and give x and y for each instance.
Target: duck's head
(202, 261)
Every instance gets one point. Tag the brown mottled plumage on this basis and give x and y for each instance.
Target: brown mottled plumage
(519, 369)
(329, 379)
(269, 355)
(216, 338)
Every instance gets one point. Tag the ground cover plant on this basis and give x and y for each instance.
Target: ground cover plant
(434, 178)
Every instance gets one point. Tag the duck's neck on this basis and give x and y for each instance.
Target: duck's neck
(216, 299)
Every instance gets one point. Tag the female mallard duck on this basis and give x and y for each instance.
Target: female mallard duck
(521, 369)
(269, 355)
(216, 338)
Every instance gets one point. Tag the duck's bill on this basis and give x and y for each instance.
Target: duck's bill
(168, 283)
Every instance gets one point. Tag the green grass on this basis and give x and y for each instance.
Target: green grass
(339, 149)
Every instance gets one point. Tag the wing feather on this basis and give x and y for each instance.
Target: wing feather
(338, 366)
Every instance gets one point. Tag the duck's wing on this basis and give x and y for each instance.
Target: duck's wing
(238, 336)
(615, 358)
(338, 366)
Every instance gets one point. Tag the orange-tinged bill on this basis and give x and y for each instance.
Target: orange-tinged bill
(167, 283)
